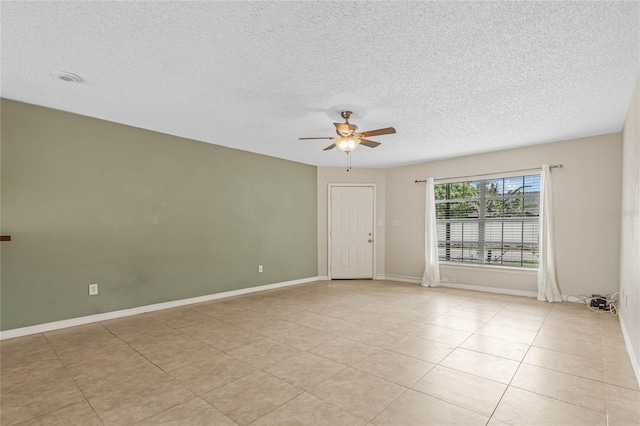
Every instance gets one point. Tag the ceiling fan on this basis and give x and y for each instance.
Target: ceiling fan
(349, 138)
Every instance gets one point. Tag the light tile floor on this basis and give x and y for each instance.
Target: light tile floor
(329, 353)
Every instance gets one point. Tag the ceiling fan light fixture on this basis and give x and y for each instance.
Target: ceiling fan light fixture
(348, 144)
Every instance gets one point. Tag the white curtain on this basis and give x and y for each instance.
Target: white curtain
(431, 276)
(547, 285)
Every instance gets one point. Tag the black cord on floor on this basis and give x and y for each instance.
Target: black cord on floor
(611, 301)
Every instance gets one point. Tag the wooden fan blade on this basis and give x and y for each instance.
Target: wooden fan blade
(378, 132)
(370, 144)
(302, 139)
(345, 129)
(329, 147)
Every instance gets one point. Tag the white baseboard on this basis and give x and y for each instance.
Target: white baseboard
(632, 355)
(415, 280)
(400, 278)
(323, 278)
(508, 291)
(41, 328)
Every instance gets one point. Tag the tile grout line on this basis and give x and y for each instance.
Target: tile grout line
(74, 382)
(358, 322)
(516, 372)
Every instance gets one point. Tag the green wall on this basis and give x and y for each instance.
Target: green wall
(149, 217)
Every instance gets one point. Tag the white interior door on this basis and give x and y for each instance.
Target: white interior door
(351, 232)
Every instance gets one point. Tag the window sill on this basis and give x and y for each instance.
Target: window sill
(490, 268)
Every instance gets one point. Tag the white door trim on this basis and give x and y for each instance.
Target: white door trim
(375, 227)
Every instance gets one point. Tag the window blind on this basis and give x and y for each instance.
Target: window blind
(492, 221)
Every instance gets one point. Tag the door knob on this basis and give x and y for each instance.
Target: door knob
(370, 240)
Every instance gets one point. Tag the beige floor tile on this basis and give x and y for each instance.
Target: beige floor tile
(94, 383)
(507, 333)
(303, 317)
(303, 338)
(514, 321)
(360, 393)
(306, 409)
(263, 324)
(304, 369)
(183, 317)
(137, 401)
(80, 414)
(570, 327)
(426, 350)
(494, 422)
(566, 363)
(203, 376)
(225, 338)
(20, 376)
(132, 321)
(471, 314)
(194, 412)
(620, 375)
(368, 334)
(623, 403)
(98, 362)
(587, 348)
(615, 343)
(485, 303)
(527, 312)
(38, 399)
(344, 351)
(480, 395)
(417, 409)
(457, 323)
(263, 352)
(322, 322)
(75, 339)
(396, 368)
(520, 407)
(613, 420)
(440, 334)
(346, 322)
(617, 354)
(25, 349)
(251, 397)
(565, 387)
(497, 347)
(418, 315)
(141, 331)
(217, 309)
(488, 366)
(177, 352)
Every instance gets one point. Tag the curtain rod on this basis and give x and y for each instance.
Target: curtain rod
(556, 166)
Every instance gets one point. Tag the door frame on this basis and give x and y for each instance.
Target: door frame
(374, 223)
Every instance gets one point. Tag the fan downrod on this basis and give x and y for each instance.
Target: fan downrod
(346, 115)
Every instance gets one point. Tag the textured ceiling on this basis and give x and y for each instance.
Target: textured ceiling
(452, 78)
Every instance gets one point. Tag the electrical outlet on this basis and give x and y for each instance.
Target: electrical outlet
(259, 268)
(93, 289)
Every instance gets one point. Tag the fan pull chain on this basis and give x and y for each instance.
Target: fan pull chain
(348, 161)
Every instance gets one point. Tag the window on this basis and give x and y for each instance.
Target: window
(492, 221)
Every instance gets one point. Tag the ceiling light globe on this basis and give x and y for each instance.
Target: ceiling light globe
(348, 144)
